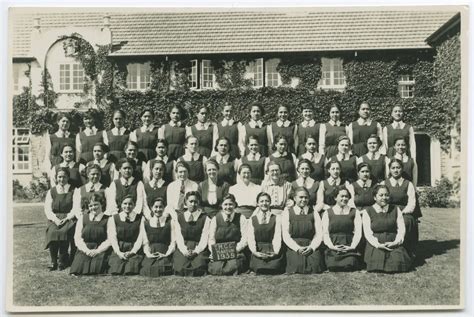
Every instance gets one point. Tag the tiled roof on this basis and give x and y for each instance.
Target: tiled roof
(224, 31)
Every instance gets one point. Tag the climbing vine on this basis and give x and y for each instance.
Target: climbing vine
(307, 69)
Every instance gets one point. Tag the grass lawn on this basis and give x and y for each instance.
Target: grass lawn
(435, 280)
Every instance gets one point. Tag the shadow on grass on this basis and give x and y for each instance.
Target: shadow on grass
(428, 248)
(34, 224)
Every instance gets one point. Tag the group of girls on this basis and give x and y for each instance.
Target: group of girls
(337, 197)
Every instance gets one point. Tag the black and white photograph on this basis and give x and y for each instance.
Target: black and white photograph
(236, 158)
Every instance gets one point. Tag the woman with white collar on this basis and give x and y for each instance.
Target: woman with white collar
(378, 162)
(54, 142)
(91, 239)
(203, 130)
(245, 191)
(304, 180)
(307, 127)
(360, 130)
(84, 192)
(283, 157)
(384, 230)
(342, 227)
(161, 155)
(254, 127)
(131, 153)
(227, 163)
(155, 188)
(362, 189)
(125, 185)
(228, 128)
(117, 137)
(302, 233)
(254, 159)
(278, 189)
(327, 188)
(317, 159)
(228, 226)
(88, 137)
(158, 241)
(212, 189)
(107, 168)
(282, 126)
(76, 178)
(348, 162)
(330, 132)
(264, 239)
(397, 129)
(177, 189)
(123, 232)
(145, 136)
(174, 132)
(410, 168)
(193, 159)
(192, 235)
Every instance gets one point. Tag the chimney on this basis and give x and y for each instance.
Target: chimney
(37, 25)
(105, 22)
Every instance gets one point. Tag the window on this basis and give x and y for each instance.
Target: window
(193, 75)
(332, 74)
(16, 78)
(263, 73)
(406, 86)
(71, 77)
(21, 150)
(272, 77)
(138, 77)
(207, 74)
(201, 74)
(257, 70)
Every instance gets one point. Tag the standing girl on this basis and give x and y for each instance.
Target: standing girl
(377, 161)
(254, 127)
(255, 160)
(348, 162)
(92, 186)
(145, 136)
(55, 142)
(193, 159)
(155, 188)
(88, 137)
(398, 129)
(174, 132)
(75, 168)
(284, 158)
(282, 127)
(107, 168)
(304, 180)
(410, 168)
(131, 153)
(161, 155)
(327, 188)
(317, 160)
(227, 163)
(307, 127)
(362, 189)
(203, 131)
(117, 137)
(360, 130)
(330, 132)
(229, 129)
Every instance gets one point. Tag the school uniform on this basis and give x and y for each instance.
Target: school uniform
(230, 130)
(258, 129)
(157, 236)
(53, 144)
(378, 165)
(169, 168)
(264, 235)
(175, 135)
(362, 193)
(91, 234)
(211, 195)
(119, 189)
(76, 177)
(195, 163)
(228, 228)
(85, 142)
(303, 130)
(116, 139)
(329, 133)
(317, 161)
(107, 169)
(227, 168)
(348, 166)
(310, 184)
(397, 130)
(123, 232)
(302, 227)
(154, 189)
(257, 166)
(246, 197)
(326, 190)
(83, 194)
(146, 138)
(192, 233)
(359, 132)
(287, 162)
(203, 132)
(287, 129)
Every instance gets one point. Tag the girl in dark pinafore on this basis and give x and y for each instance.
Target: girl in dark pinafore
(229, 129)
(108, 171)
(307, 127)
(360, 130)
(342, 226)
(117, 137)
(91, 239)
(284, 158)
(58, 210)
(317, 160)
(362, 189)
(158, 241)
(282, 127)
(55, 142)
(255, 160)
(227, 163)
(330, 132)
(92, 186)
(145, 136)
(399, 129)
(327, 188)
(348, 162)
(228, 226)
(203, 130)
(377, 161)
(264, 239)
(254, 127)
(193, 159)
(155, 188)
(76, 178)
(161, 155)
(192, 234)
(304, 179)
(384, 230)
(174, 132)
(88, 137)
(123, 231)
(302, 233)
(131, 153)
(212, 190)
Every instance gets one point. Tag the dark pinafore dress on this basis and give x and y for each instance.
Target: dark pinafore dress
(360, 135)
(348, 168)
(127, 234)
(330, 139)
(176, 138)
(341, 232)
(257, 168)
(319, 172)
(301, 229)
(261, 134)
(57, 144)
(377, 167)
(152, 193)
(313, 191)
(363, 197)
(226, 172)
(86, 195)
(329, 191)
(159, 240)
(191, 232)
(196, 169)
(393, 134)
(121, 191)
(205, 138)
(287, 165)
(232, 133)
(264, 234)
(407, 173)
(303, 133)
(93, 233)
(288, 132)
(399, 198)
(61, 206)
(87, 145)
(228, 232)
(105, 178)
(384, 228)
(168, 177)
(75, 177)
(116, 145)
(146, 142)
(222, 188)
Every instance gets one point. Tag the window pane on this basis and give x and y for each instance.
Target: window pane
(16, 77)
(207, 74)
(193, 75)
(272, 75)
(257, 69)
(64, 77)
(144, 72)
(132, 76)
(77, 77)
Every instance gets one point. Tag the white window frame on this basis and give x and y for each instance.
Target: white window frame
(71, 76)
(330, 76)
(138, 76)
(406, 86)
(207, 75)
(272, 76)
(16, 79)
(21, 141)
(193, 74)
(257, 70)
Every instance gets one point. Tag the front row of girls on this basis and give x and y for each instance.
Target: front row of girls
(179, 239)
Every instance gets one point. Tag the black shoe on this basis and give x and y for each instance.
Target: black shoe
(53, 267)
(61, 267)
